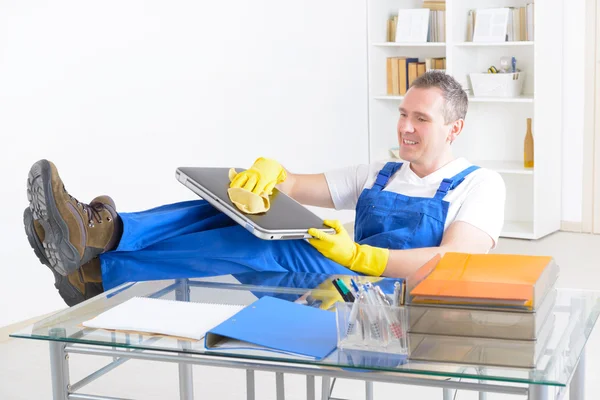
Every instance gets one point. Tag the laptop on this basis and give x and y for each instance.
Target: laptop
(286, 219)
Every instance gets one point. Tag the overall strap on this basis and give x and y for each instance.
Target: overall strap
(452, 183)
(384, 175)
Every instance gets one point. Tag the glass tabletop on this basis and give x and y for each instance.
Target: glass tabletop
(575, 313)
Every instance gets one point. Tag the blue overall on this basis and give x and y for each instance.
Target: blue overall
(193, 239)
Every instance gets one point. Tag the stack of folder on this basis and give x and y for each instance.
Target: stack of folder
(491, 309)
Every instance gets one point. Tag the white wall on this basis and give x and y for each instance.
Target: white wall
(573, 106)
(111, 89)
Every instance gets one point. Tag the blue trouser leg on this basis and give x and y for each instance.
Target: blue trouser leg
(192, 239)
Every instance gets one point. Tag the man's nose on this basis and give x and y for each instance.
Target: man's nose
(404, 125)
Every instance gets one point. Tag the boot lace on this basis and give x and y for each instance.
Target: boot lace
(91, 210)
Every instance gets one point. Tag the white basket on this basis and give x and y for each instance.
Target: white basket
(497, 85)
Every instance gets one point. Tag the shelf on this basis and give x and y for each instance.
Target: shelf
(388, 97)
(416, 44)
(520, 99)
(518, 230)
(505, 167)
(484, 44)
(473, 99)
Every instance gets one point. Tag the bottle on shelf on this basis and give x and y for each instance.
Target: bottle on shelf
(528, 146)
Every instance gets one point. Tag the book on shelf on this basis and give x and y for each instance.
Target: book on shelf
(413, 25)
(415, 22)
(435, 5)
(402, 71)
(519, 23)
(391, 28)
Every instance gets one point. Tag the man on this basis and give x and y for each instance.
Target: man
(406, 213)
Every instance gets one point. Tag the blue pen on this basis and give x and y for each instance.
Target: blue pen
(514, 64)
(354, 285)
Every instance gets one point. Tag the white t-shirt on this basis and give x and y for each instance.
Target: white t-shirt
(478, 200)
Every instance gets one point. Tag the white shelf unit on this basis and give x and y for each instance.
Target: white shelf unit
(495, 127)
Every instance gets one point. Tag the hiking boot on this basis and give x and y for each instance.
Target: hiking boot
(71, 293)
(75, 232)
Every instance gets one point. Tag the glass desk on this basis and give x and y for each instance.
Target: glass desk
(560, 366)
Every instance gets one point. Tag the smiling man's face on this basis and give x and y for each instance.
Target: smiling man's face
(423, 134)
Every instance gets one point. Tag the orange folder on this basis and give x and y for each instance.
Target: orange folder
(487, 279)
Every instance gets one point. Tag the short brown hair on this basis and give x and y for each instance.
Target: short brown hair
(457, 101)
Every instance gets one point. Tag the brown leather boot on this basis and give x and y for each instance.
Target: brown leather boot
(75, 232)
(88, 281)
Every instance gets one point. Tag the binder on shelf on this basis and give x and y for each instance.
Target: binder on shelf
(275, 325)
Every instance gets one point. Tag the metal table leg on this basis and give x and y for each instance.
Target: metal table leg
(369, 390)
(59, 367)
(186, 385)
(482, 395)
(448, 394)
(325, 387)
(279, 386)
(538, 392)
(186, 377)
(577, 385)
(310, 387)
(250, 384)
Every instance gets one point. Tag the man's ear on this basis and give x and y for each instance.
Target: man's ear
(455, 129)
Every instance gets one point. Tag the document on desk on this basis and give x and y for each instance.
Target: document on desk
(275, 325)
(164, 317)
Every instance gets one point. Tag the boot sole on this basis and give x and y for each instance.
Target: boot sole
(62, 256)
(69, 294)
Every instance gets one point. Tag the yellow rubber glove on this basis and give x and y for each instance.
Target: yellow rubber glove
(261, 177)
(343, 250)
(246, 201)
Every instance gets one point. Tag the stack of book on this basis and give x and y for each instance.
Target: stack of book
(519, 25)
(489, 309)
(402, 71)
(435, 20)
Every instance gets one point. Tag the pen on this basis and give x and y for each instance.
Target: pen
(352, 289)
(352, 318)
(337, 287)
(382, 296)
(373, 302)
(394, 326)
(396, 297)
(355, 286)
(345, 290)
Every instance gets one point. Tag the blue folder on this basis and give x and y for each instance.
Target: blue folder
(281, 326)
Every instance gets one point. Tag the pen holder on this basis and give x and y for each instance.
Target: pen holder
(372, 327)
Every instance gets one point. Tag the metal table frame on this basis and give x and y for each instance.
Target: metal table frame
(62, 389)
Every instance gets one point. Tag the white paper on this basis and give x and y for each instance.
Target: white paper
(166, 317)
(413, 25)
(490, 25)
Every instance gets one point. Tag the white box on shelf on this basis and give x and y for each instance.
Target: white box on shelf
(497, 85)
